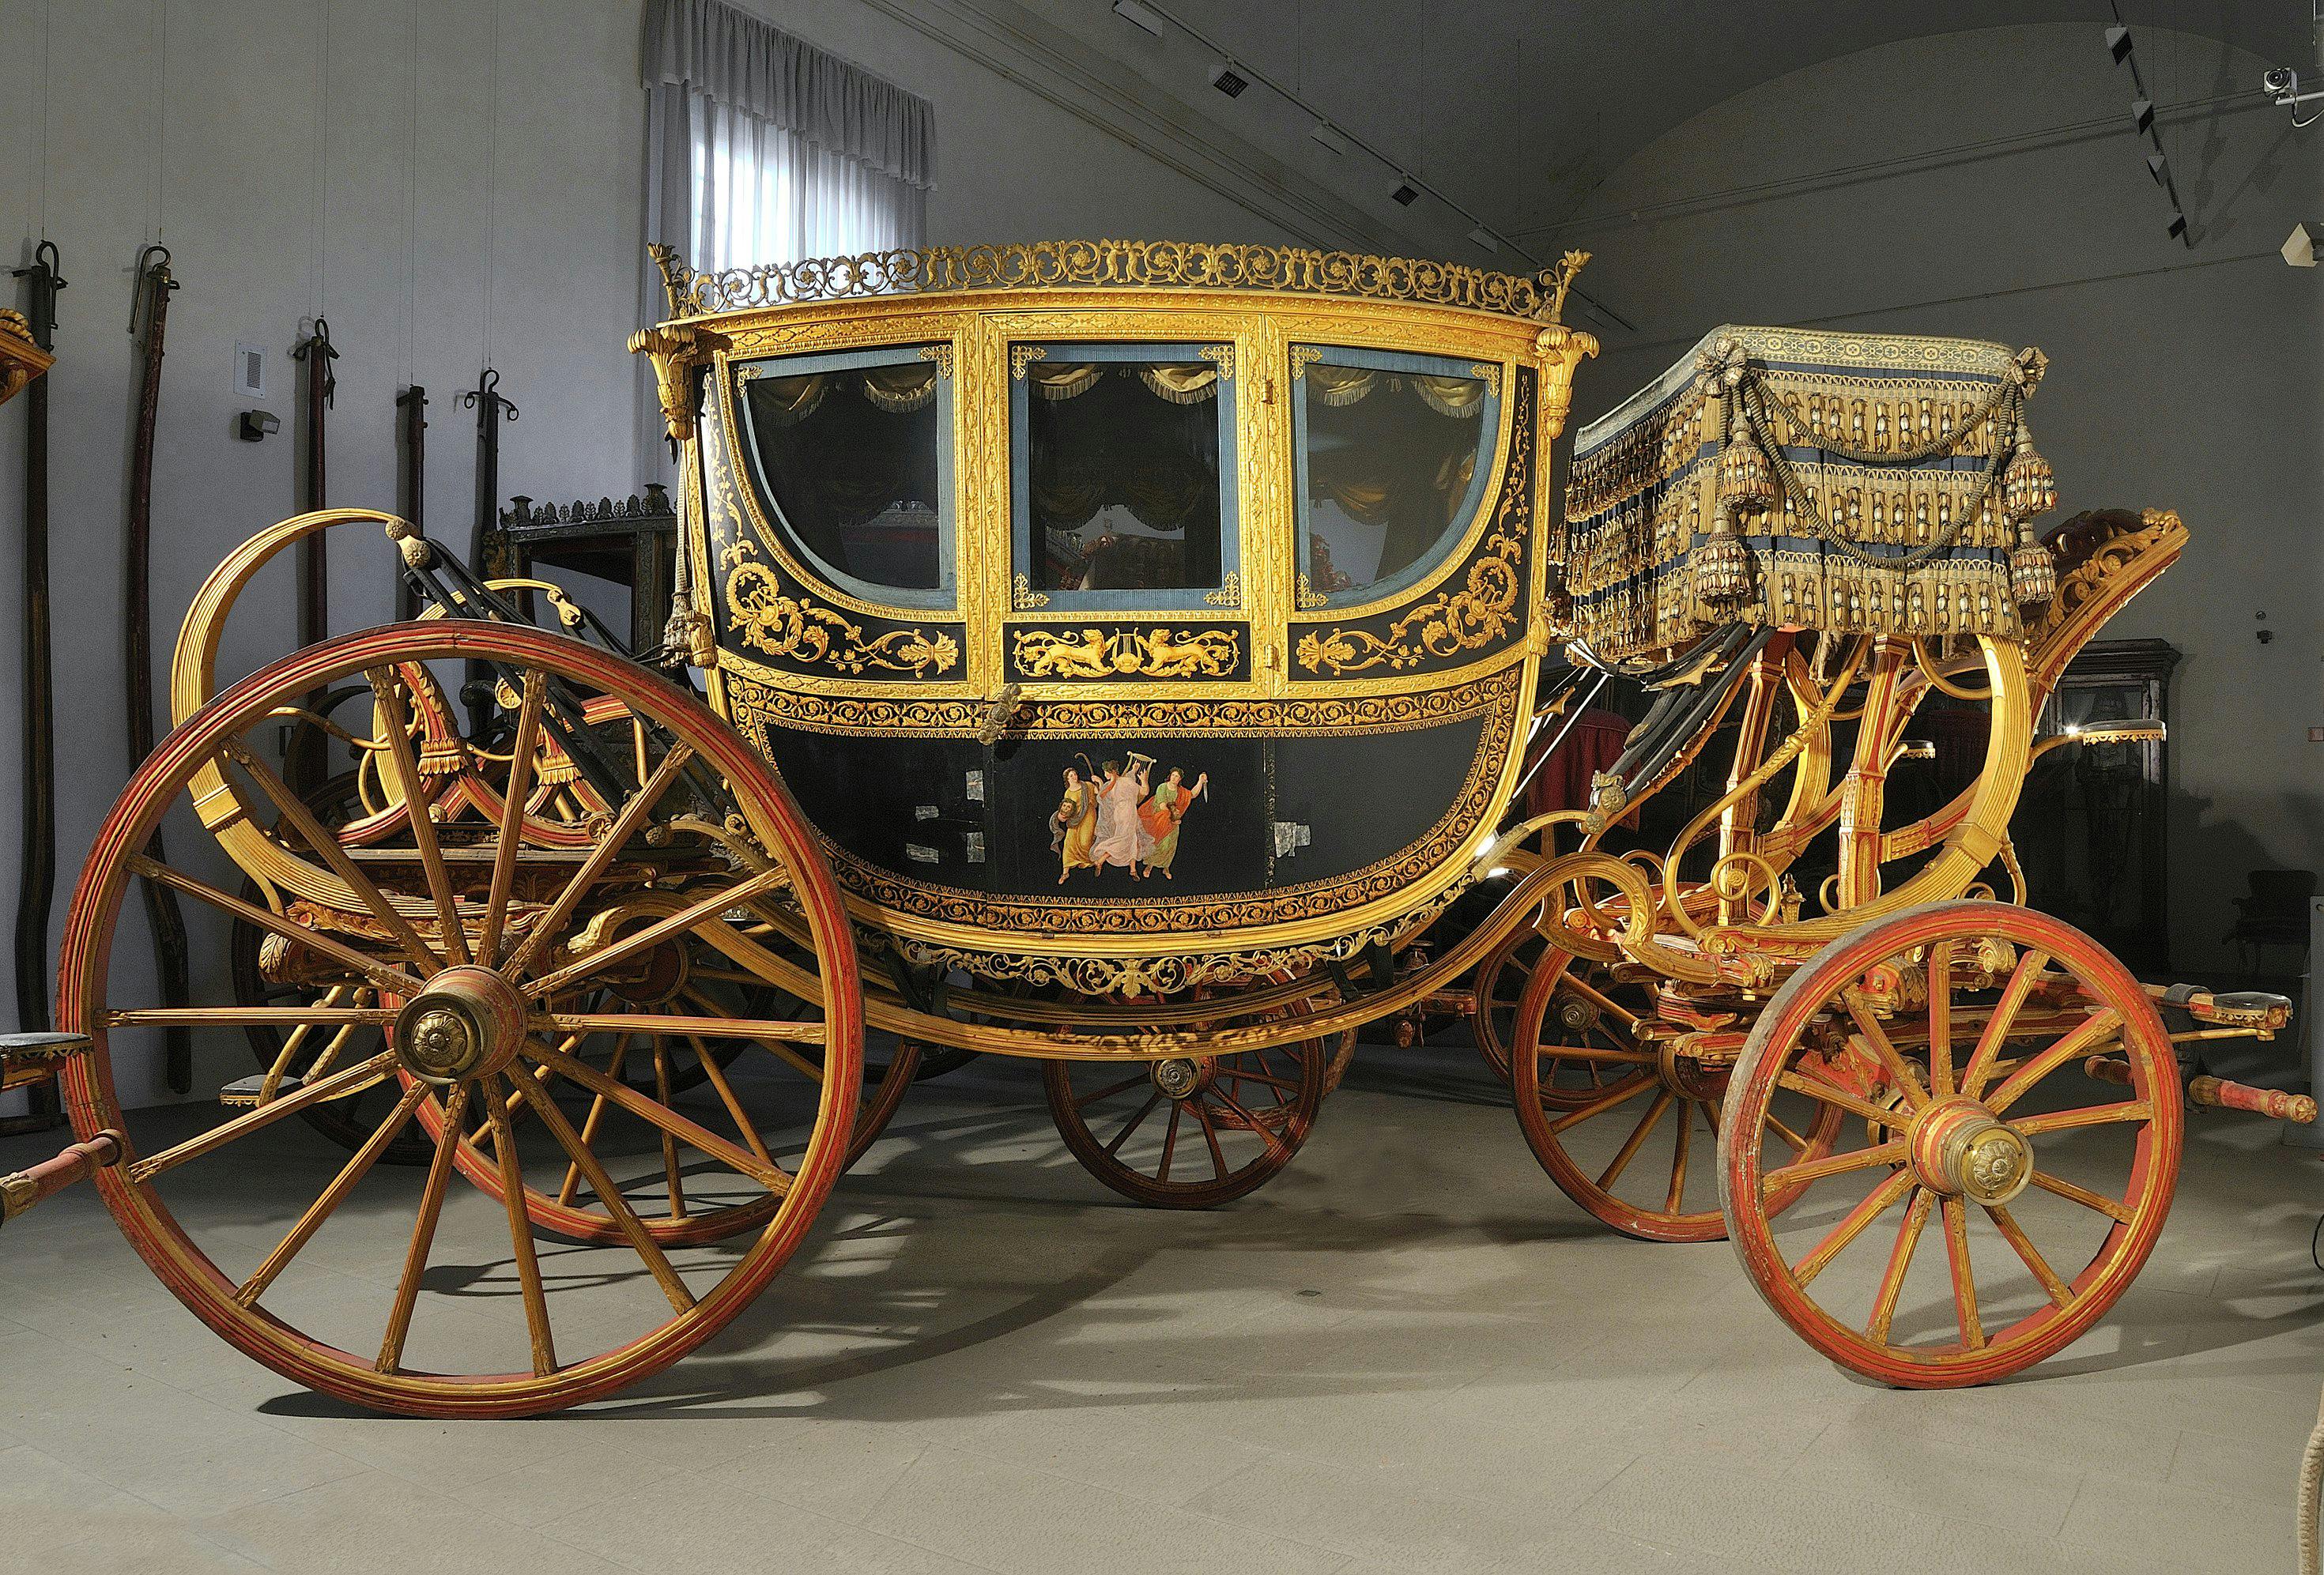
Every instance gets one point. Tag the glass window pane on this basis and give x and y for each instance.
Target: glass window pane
(1389, 459)
(849, 459)
(1122, 475)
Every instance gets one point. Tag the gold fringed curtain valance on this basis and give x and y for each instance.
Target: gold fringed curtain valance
(1181, 385)
(1463, 398)
(786, 401)
(898, 389)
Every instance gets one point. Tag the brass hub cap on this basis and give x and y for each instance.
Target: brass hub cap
(1178, 1077)
(469, 1022)
(1962, 1149)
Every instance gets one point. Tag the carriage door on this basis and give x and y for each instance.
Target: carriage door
(1125, 578)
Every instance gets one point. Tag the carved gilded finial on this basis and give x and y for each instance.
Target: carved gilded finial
(676, 282)
(677, 350)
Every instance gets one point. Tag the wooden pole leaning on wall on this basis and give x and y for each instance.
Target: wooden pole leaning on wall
(37, 791)
(151, 308)
(411, 429)
(491, 408)
(306, 767)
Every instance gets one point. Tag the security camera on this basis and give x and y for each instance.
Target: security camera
(2280, 80)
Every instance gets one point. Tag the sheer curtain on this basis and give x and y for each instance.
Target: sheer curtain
(762, 148)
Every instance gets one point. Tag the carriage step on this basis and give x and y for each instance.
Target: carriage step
(245, 1091)
(30, 1057)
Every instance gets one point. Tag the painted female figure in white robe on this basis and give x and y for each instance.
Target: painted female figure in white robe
(1122, 836)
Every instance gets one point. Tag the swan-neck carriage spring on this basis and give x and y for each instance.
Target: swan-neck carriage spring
(1126, 656)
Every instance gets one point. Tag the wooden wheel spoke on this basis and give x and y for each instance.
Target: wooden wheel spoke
(1134, 1122)
(1084, 1102)
(251, 1017)
(625, 824)
(1941, 1019)
(1211, 1137)
(1674, 1200)
(1965, 1314)
(1801, 1172)
(423, 1232)
(764, 1030)
(717, 1076)
(326, 846)
(2085, 1036)
(772, 1177)
(1628, 1089)
(1711, 1120)
(528, 1259)
(1996, 1033)
(571, 1186)
(1875, 1037)
(672, 1181)
(1169, 1141)
(780, 1048)
(393, 980)
(533, 1087)
(1816, 1088)
(2085, 1116)
(522, 765)
(336, 1086)
(1595, 1055)
(2022, 1245)
(1235, 1107)
(390, 695)
(2121, 1212)
(1267, 1079)
(692, 917)
(357, 1166)
(1636, 1139)
(1900, 1258)
(1852, 1224)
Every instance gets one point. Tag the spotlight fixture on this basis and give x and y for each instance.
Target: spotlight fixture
(2117, 42)
(1142, 17)
(1228, 80)
(2160, 168)
(1405, 194)
(1329, 139)
(1484, 237)
(2178, 226)
(2281, 86)
(2142, 114)
(2305, 246)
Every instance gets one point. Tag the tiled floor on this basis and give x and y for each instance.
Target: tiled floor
(1406, 1353)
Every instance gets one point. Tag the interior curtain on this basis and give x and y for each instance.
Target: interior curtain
(762, 148)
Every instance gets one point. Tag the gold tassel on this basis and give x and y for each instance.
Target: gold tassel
(1746, 483)
(2033, 572)
(2028, 486)
(1719, 566)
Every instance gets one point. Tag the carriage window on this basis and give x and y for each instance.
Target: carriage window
(852, 456)
(1393, 451)
(1124, 458)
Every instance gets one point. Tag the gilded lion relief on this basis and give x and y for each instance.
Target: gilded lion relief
(1125, 651)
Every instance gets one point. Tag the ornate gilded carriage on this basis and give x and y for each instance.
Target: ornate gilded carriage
(1117, 654)
(1041, 520)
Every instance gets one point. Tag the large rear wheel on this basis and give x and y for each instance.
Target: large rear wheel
(489, 962)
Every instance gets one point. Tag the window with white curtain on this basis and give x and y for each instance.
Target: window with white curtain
(762, 148)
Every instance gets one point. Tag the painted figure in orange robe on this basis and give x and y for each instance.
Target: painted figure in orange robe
(1162, 812)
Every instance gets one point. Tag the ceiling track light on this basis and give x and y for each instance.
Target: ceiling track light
(2117, 42)
(1139, 16)
(2305, 246)
(2142, 120)
(1325, 137)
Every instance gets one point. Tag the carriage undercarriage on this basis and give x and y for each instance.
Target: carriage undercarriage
(606, 974)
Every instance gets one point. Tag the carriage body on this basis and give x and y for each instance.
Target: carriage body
(1134, 616)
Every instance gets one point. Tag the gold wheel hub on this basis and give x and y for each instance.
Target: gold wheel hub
(1179, 1076)
(468, 1023)
(1961, 1149)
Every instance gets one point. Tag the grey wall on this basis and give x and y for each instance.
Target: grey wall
(2179, 378)
(472, 190)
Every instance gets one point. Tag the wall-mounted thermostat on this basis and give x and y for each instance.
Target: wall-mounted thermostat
(249, 372)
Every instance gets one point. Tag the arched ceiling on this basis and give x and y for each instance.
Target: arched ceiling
(1515, 109)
